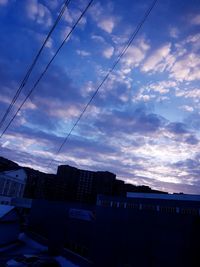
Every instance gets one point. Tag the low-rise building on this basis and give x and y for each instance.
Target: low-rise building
(12, 183)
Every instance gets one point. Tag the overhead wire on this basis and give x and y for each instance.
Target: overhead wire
(46, 68)
(28, 73)
(139, 26)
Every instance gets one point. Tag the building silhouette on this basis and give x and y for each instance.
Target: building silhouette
(78, 185)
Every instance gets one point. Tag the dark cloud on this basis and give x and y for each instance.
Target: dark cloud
(130, 121)
(192, 140)
(177, 128)
(182, 133)
(192, 168)
(193, 121)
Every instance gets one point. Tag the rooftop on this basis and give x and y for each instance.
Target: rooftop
(182, 197)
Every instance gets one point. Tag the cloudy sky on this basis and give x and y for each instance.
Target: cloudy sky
(144, 123)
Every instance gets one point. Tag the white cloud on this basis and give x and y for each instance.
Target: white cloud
(108, 52)
(49, 43)
(193, 38)
(187, 108)
(107, 24)
(155, 91)
(3, 2)
(190, 93)
(135, 54)
(103, 17)
(187, 68)
(196, 20)
(38, 13)
(83, 53)
(174, 32)
(156, 60)
(5, 144)
(162, 87)
(98, 38)
(181, 64)
(70, 16)
(65, 32)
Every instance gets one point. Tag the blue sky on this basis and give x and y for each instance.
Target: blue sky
(144, 123)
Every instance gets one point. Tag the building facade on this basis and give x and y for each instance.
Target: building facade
(12, 183)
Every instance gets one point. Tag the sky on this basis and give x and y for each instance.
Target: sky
(143, 125)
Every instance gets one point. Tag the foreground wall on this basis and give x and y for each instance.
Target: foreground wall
(135, 234)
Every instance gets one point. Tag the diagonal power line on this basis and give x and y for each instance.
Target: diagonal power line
(139, 26)
(47, 67)
(28, 73)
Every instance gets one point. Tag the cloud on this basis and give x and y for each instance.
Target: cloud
(108, 52)
(193, 121)
(72, 14)
(107, 24)
(119, 132)
(68, 16)
(195, 20)
(186, 68)
(192, 140)
(138, 121)
(191, 167)
(155, 61)
(98, 38)
(38, 12)
(182, 63)
(192, 39)
(3, 2)
(83, 53)
(135, 54)
(103, 17)
(154, 90)
(53, 4)
(177, 128)
(187, 108)
(174, 32)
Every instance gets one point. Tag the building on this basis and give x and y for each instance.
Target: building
(12, 183)
(40, 185)
(74, 184)
(138, 230)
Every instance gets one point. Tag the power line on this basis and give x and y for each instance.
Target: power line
(139, 26)
(28, 73)
(48, 65)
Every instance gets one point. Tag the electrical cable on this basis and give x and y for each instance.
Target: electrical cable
(28, 73)
(45, 70)
(139, 26)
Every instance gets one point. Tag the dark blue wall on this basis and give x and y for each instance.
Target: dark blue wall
(120, 236)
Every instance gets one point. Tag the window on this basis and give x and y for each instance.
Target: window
(189, 211)
(121, 205)
(168, 209)
(114, 204)
(132, 206)
(148, 207)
